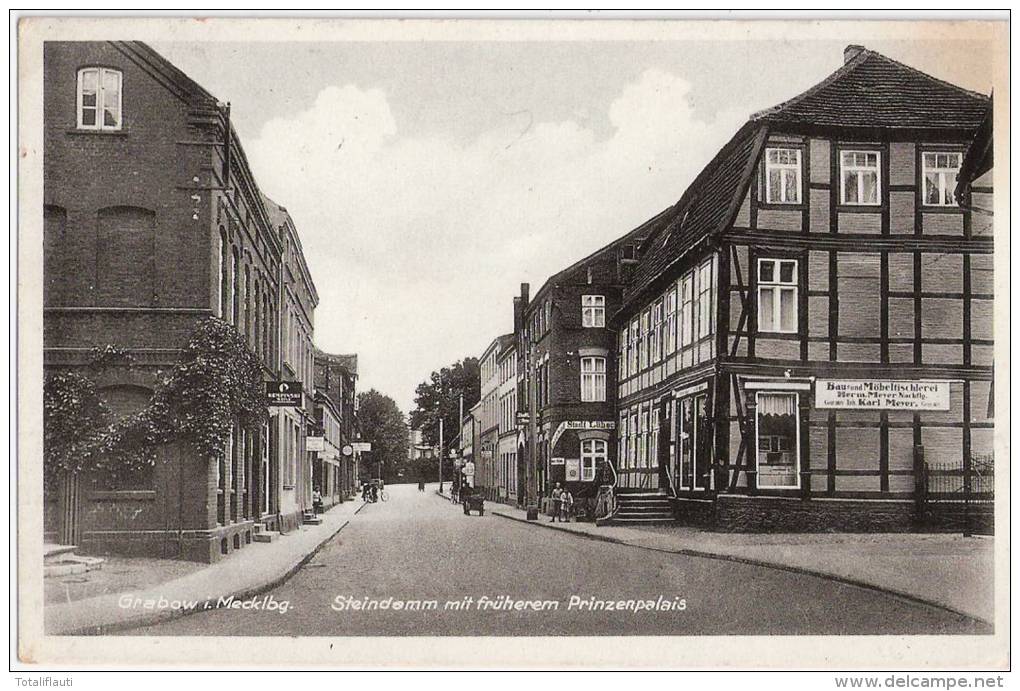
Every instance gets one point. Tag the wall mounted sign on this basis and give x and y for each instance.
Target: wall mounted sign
(680, 393)
(580, 425)
(362, 446)
(882, 394)
(573, 470)
(557, 461)
(315, 444)
(284, 393)
(347, 450)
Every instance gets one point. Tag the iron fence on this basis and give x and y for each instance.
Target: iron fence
(946, 482)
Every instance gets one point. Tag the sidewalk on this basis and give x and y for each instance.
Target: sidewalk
(950, 571)
(243, 574)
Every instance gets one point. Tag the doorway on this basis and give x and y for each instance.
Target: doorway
(694, 443)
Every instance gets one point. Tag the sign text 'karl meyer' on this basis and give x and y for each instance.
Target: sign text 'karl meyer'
(882, 394)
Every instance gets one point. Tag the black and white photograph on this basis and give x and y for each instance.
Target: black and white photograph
(599, 343)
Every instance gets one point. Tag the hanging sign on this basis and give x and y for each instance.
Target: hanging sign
(882, 394)
(315, 444)
(284, 393)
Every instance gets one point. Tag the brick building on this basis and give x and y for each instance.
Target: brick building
(488, 475)
(153, 221)
(565, 350)
(336, 472)
(814, 321)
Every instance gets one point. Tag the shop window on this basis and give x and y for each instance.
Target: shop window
(782, 176)
(593, 453)
(593, 379)
(859, 178)
(593, 311)
(99, 99)
(940, 171)
(777, 295)
(778, 440)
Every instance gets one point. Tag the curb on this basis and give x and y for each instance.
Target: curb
(700, 554)
(171, 615)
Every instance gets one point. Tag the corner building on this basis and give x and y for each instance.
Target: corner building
(814, 322)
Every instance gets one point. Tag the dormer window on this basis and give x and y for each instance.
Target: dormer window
(99, 99)
(782, 176)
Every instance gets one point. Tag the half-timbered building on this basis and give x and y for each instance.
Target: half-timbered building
(814, 322)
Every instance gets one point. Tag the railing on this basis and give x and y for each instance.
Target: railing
(946, 482)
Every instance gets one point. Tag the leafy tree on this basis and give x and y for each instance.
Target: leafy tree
(383, 426)
(439, 397)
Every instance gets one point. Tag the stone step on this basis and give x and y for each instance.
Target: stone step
(53, 550)
(266, 536)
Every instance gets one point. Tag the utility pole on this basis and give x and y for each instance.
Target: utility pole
(440, 452)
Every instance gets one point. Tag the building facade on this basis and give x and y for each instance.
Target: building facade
(152, 222)
(336, 379)
(814, 323)
(487, 466)
(506, 447)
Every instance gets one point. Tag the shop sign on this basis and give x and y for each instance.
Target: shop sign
(284, 393)
(315, 443)
(347, 450)
(362, 446)
(589, 424)
(557, 461)
(573, 469)
(687, 390)
(882, 394)
(523, 419)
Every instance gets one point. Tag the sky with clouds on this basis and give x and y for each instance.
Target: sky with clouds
(428, 180)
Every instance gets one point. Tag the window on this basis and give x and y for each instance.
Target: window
(593, 453)
(633, 437)
(655, 335)
(646, 339)
(778, 437)
(593, 379)
(705, 300)
(940, 171)
(593, 311)
(859, 178)
(671, 320)
(777, 295)
(643, 439)
(635, 340)
(621, 444)
(782, 176)
(622, 358)
(687, 310)
(99, 99)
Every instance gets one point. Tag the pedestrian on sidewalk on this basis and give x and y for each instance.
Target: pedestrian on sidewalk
(566, 503)
(557, 495)
(421, 485)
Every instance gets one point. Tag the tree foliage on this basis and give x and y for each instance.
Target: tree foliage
(216, 382)
(439, 397)
(383, 425)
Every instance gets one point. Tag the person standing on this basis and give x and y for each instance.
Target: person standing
(566, 503)
(557, 499)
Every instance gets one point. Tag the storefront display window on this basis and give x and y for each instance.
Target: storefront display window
(778, 440)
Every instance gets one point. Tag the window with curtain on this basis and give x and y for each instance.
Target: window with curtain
(782, 176)
(940, 171)
(593, 311)
(777, 432)
(860, 178)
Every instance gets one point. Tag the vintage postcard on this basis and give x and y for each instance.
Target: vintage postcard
(517, 344)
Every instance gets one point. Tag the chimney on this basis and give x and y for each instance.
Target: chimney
(851, 52)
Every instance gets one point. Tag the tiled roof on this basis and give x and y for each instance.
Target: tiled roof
(707, 205)
(978, 159)
(869, 91)
(873, 91)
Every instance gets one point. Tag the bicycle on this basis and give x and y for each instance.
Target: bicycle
(384, 495)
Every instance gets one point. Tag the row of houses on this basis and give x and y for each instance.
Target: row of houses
(154, 222)
(794, 344)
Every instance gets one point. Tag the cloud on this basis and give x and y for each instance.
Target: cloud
(417, 244)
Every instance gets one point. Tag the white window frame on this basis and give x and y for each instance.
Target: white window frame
(706, 311)
(593, 311)
(100, 107)
(943, 185)
(590, 456)
(593, 379)
(785, 169)
(777, 287)
(687, 310)
(655, 343)
(671, 304)
(796, 455)
(858, 170)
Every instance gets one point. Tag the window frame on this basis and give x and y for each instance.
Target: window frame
(100, 106)
(595, 307)
(783, 168)
(844, 168)
(777, 286)
(941, 172)
(593, 377)
(592, 457)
